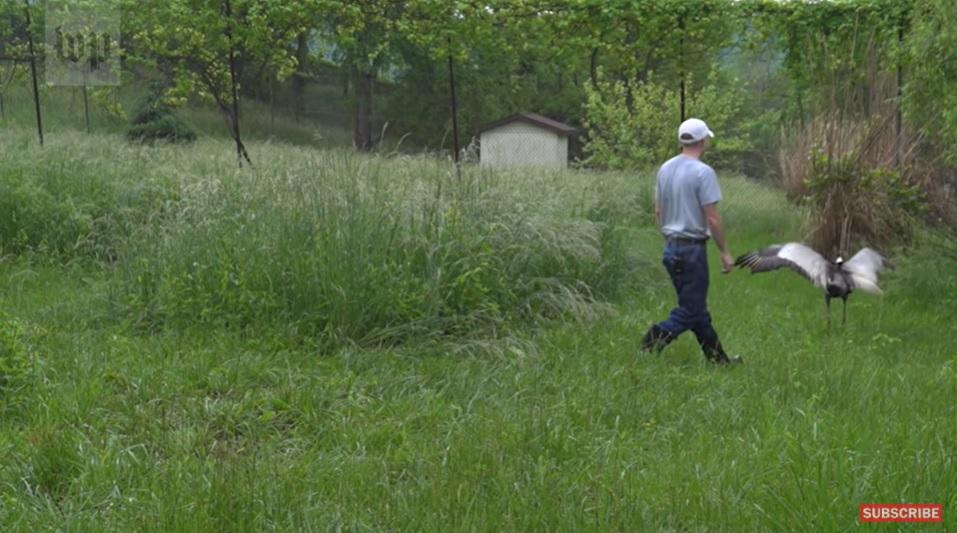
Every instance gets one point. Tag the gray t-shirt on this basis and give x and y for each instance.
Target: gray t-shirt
(684, 186)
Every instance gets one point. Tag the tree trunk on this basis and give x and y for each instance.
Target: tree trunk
(299, 78)
(455, 112)
(241, 152)
(629, 93)
(362, 110)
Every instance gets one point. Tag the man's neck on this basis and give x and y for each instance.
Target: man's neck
(692, 152)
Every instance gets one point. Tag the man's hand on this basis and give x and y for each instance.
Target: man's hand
(727, 262)
(717, 233)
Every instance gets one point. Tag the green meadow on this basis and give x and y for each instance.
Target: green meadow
(333, 341)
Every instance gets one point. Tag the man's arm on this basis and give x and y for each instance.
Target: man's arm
(658, 200)
(717, 233)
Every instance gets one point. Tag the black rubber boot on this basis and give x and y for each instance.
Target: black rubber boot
(715, 353)
(656, 339)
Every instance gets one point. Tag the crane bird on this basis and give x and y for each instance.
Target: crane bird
(838, 278)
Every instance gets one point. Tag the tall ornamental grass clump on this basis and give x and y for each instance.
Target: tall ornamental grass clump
(373, 250)
(858, 178)
(77, 198)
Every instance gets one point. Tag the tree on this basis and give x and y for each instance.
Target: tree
(13, 55)
(835, 53)
(372, 35)
(364, 33)
(448, 50)
(204, 46)
(19, 42)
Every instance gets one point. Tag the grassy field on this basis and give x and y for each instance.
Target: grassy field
(335, 342)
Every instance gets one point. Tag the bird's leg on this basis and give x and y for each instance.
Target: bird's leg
(827, 300)
(844, 320)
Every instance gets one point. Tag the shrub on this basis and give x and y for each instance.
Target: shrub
(156, 121)
(852, 204)
(166, 128)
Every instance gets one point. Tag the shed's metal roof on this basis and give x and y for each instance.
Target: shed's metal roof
(532, 118)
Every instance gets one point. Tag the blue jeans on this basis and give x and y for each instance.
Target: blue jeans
(687, 264)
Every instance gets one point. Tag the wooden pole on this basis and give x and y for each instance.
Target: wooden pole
(899, 119)
(455, 119)
(33, 71)
(681, 62)
(86, 109)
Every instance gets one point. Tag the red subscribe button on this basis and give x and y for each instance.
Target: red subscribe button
(902, 512)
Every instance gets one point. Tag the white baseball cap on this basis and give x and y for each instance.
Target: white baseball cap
(693, 130)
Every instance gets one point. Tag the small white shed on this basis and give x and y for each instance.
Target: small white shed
(525, 140)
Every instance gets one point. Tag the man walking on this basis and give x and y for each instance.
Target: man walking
(686, 210)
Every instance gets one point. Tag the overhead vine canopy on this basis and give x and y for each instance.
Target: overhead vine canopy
(544, 54)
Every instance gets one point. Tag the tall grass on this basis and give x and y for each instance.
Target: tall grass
(327, 246)
(74, 199)
(376, 250)
(857, 177)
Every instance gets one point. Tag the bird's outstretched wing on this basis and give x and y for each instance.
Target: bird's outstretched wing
(797, 257)
(863, 268)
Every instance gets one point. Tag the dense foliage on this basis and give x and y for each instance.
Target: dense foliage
(759, 71)
(532, 55)
(931, 86)
(633, 127)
